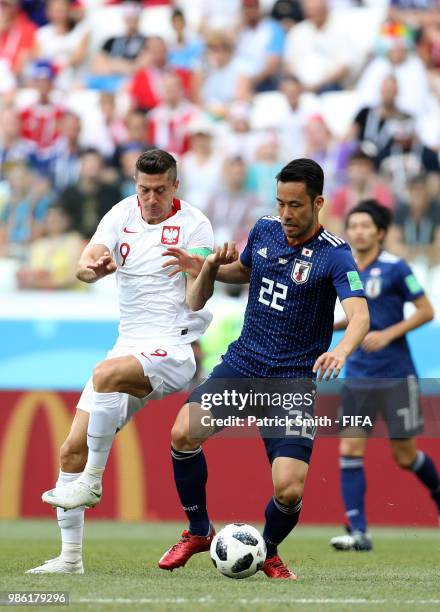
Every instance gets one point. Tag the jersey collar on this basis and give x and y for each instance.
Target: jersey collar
(370, 262)
(301, 244)
(174, 209)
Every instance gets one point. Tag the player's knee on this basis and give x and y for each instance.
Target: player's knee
(106, 377)
(180, 438)
(290, 493)
(350, 447)
(73, 456)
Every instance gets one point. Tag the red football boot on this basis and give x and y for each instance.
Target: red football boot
(186, 547)
(275, 568)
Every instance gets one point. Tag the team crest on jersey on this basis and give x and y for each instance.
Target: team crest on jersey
(170, 234)
(301, 271)
(373, 287)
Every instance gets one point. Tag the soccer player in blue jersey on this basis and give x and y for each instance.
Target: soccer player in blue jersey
(381, 376)
(295, 270)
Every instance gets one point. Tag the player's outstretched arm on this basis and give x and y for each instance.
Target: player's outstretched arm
(224, 258)
(332, 362)
(377, 340)
(95, 263)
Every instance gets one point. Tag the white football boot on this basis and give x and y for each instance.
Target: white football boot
(58, 566)
(357, 540)
(73, 495)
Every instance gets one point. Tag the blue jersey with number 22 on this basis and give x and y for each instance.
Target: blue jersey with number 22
(288, 321)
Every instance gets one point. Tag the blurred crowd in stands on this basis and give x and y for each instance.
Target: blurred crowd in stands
(235, 89)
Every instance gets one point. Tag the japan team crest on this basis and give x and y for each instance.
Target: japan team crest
(301, 271)
(170, 234)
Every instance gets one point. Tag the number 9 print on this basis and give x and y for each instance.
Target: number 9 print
(124, 250)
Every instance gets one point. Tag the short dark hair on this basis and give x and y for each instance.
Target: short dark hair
(380, 215)
(157, 161)
(304, 171)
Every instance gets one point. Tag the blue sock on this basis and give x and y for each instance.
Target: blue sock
(280, 520)
(190, 476)
(353, 485)
(425, 470)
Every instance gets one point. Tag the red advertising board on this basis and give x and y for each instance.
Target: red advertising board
(138, 483)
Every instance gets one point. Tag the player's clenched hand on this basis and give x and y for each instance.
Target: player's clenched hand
(375, 340)
(329, 364)
(103, 266)
(224, 255)
(183, 261)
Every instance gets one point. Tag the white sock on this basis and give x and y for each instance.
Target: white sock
(103, 423)
(71, 524)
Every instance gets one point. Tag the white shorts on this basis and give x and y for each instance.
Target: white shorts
(169, 369)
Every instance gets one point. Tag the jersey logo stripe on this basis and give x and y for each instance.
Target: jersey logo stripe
(271, 218)
(332, 242)
(336, 238)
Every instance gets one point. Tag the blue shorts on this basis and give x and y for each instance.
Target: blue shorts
(396, 400)
(282, 409)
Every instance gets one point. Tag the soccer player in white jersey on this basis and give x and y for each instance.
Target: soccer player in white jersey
(152, 356)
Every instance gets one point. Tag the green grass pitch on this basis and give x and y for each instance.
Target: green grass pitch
(403, 571)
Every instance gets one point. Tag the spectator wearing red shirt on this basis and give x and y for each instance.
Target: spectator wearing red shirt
(16, 35)
(146, 87)
(362, 184)
(168, 122)
(40, 121)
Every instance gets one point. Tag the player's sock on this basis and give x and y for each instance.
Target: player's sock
(71, 523)
(280, 520)
(354, 485)
(190, 476)
(425, 470)
(103, 423)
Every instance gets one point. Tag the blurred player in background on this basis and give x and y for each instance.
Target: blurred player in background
(153, 354)
(383, 354)
(295, 269)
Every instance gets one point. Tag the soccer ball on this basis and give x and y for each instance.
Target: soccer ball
(238, 551)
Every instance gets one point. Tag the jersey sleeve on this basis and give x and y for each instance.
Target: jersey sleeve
(107, 232)
(408, 284)
(344, 273)
(202, 237)
(246, 256)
